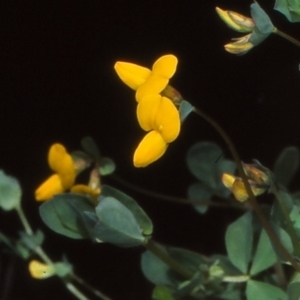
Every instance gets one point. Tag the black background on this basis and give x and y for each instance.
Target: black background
(58, 85)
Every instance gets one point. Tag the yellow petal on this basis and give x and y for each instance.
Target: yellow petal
(147, 110)
(56, 154)
(62, 163)
(84, 189)
(167, 120)
(150, 149)
(240, 193)
(153, 85)
(39, 270)
(229, 20)
(165, 66)
(131, 74)
(228, 180)
(49, 188)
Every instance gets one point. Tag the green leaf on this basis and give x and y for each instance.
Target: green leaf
(107, 166)
(141, 217)
(116, 224)
(90, 147)
(161, 292)
(185, 109)
(31, 242)
(285, 241)
(225, 264)
(63, 269)
(295, 218)
(206, 162)
(189, 259)
(265, 255)
(286, 165)
(260, 290)
(290, 9)
(238, 240)
(294, 288)
(10, 192)
(156, 271)
(201, 193)
(63, 214)
(261, 19)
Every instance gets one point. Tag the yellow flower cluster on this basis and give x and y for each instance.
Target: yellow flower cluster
(156, 114)
(61, 162)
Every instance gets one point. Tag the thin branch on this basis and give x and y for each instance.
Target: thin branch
(287, 37)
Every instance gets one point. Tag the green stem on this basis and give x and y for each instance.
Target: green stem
(271, 233)
(42, 254)
(24, 220)
(287, 37)
(173, 198)
(289, 223)
(74, 290)
(89, 287)
(161, 254)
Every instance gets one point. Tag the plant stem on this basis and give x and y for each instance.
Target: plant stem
(74, 290)
(271, 233)
(175, 199)
(42, 254)
(287, 37)
(89, 287)
(24, 220)
(161, 254)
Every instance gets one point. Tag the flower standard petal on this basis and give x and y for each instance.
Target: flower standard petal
(165, 66)
(55, 156)
(52, 186)
(147, 110)
(150, 149)
(167, 120)
(62, 163)
(131, 74)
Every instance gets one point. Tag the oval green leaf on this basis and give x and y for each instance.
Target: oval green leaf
(239, 240)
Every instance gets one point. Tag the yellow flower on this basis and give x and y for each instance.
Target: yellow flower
(155, 113)
(237, 187)
(60, 162)
(40, 270)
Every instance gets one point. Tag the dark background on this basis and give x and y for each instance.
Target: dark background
(58, 85)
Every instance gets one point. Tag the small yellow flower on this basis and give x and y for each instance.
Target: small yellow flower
(40, 270)
(258, 180)
(155, 112)
(60, 162)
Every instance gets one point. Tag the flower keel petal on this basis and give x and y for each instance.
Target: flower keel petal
(150, 149)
